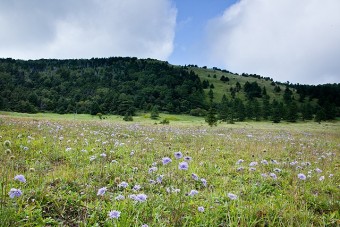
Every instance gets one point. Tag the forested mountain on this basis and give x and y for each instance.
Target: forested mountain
(124, 85)
(106, 85)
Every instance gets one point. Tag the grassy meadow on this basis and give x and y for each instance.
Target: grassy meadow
(77, 170)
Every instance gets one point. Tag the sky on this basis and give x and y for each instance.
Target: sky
(287, 40)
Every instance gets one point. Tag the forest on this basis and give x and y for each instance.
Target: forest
(127, 85)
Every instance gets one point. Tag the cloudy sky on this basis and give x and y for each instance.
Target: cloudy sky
(288, 40)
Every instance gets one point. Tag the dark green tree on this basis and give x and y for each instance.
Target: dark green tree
(154, 113)
(276, 112)
(292, 112)
(223, 110)
(211, 118)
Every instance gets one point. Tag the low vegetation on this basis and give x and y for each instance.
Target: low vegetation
(77, 170)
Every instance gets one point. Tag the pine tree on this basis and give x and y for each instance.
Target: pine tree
(276, 114)
(154, 113)
(223, 109)
(211, 117)
(292, 111)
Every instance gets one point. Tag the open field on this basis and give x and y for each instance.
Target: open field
(78, 170)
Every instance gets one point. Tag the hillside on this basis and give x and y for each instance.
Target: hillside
(126, 86)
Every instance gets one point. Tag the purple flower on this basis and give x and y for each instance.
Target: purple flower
(277, 170)
(144, 225)
(166, 160)
(14, 193)
(101, 191)
(200, 209)
(302, 176)
(187, 158)
(141, 197)
(183, 166)
(114, 214)
(253, 164)
(20, 178)
(123, 185)
(264, 162)
(160, 179)
(239, 161)
(273, 175)
(321, 178)
(194, 176)
(193, 192)
(178, 155)
(136, 187)
(204, 182)
(232, 196)
(153, 169)
(318, 170)
(119, 197)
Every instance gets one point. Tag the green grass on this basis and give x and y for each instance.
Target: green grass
(222, 88)
(62, 159)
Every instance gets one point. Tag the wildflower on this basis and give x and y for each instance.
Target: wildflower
(318, 170)
(239, 161)
(178, 155)
(160, 179)
(321, 178)
(193, 192)
(274, 161)
(253, 164)
(67, 149)
(166, 160)
(293, 163)
(153, 169)
(141, 197)
(114, 214)
(119, 197)
(331, 175)
(264, 175)
(302, 176)
(14, 193)
(232, 196)
(20, 178)
(204, 182)
(194, 176)
(123, 184)
(103, 155)
(152, 182)
(239, 169)
(92, 158)
(264, 162)
(132, 153)
(273, 175)
(136, 187)
(101, 191)
(277, 170)
(200, 209)
(144, 225)
(183, 166)
(252, 169)
(187, 158)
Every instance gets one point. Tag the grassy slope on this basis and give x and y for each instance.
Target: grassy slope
(224, 88)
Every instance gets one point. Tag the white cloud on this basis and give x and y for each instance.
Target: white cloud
(288, 40)
(87, 28)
